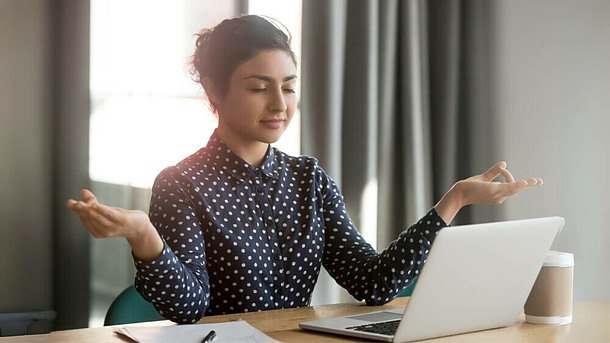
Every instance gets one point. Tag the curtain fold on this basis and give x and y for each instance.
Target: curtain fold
(323, 26)
(387, 90)
(323, 52)
(403, 154)
(70, 140)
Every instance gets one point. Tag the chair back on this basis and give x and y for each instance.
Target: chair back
(130, 307)
(409, 290)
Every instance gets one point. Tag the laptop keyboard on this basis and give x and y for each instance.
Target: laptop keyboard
(383, 328)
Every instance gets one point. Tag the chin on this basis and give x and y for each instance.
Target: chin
(271, 138)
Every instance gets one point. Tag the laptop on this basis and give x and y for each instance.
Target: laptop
(476, 277)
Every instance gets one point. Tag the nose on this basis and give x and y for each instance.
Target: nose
(278, 103)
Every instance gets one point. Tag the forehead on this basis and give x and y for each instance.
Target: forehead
(276, 64)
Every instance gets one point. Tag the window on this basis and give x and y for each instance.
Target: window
(147, 112)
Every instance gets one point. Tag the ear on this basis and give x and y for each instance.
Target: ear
(211, 92)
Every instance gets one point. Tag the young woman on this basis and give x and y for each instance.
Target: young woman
(239, 225)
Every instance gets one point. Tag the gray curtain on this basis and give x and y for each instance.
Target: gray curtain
(25, 158)
(70, 140)
(44, 152)
(394, 95)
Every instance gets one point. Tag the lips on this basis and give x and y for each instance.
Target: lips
(274, 123)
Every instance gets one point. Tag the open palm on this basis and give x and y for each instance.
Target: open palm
(106, 221)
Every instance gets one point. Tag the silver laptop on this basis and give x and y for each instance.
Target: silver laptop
(476, 277)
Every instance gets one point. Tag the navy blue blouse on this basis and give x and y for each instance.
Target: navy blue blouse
(238, 238)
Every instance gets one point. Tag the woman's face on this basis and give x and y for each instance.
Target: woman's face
(260, 101)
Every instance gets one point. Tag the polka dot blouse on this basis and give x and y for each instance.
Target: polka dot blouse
(238, 238)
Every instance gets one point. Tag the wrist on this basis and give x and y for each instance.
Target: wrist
(458, 195)
(146, 245)
(142, 233)
(451, 203)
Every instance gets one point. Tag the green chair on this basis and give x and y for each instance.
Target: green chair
(130, 307)
(409, 290)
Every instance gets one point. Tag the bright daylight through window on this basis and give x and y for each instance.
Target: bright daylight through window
(146, 111)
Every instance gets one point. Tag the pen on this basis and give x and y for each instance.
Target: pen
(209, 337)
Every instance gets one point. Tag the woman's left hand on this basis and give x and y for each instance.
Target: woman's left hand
(481, 189)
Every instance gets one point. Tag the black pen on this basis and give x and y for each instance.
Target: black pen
(209, 337)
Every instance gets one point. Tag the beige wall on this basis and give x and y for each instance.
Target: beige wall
(552, 99)
(25, 174)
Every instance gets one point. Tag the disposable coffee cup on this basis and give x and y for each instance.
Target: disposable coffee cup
(550, 301)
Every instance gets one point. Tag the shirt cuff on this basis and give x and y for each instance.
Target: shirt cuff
(434, 217)
(428, 226)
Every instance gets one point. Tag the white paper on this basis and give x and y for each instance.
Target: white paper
(236, 331)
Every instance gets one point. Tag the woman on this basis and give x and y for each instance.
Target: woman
(240, 226)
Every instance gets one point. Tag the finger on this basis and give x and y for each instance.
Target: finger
(535, 181)
(97, 224)
(96, 210)
(516, 187)
(77, 206)
(88, 196)
(71, 203)
(102, 223)
(108, 212)
(87, 210)
(493, 172)
(508, 177)
(89, 218)
(88, 224)
(95, 231)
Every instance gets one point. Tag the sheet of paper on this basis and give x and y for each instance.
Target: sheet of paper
(237, 331)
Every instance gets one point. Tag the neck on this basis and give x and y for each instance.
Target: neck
(251, 151)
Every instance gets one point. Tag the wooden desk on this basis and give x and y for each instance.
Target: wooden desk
(591, 324)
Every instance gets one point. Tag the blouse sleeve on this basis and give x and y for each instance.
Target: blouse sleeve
(366, 274)
(177, 282)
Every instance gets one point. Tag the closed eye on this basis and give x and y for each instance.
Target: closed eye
(289, 90)
(259, 90)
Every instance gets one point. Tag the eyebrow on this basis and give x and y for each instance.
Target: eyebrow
(269, 79)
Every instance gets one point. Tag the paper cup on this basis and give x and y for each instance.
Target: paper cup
(550, 300)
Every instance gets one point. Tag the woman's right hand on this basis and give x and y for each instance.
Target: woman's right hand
(106, 221)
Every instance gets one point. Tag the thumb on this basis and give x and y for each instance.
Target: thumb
(88, 196)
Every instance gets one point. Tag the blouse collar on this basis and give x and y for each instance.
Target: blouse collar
(222, 156)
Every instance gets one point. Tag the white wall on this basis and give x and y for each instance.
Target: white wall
(552, 98)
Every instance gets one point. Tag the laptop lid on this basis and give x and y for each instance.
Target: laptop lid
(476, 277)
(479, 277)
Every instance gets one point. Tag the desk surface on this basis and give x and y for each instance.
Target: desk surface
(591, 324)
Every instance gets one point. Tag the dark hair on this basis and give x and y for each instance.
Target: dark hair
(223, 48)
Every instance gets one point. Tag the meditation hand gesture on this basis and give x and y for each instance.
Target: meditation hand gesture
(107, 221)
(481, 189)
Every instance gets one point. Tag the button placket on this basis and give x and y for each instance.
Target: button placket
(270, 226)
(278, 261)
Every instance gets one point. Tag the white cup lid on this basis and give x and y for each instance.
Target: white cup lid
(558, 259)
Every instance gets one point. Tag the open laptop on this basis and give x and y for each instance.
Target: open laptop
(476, 277)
